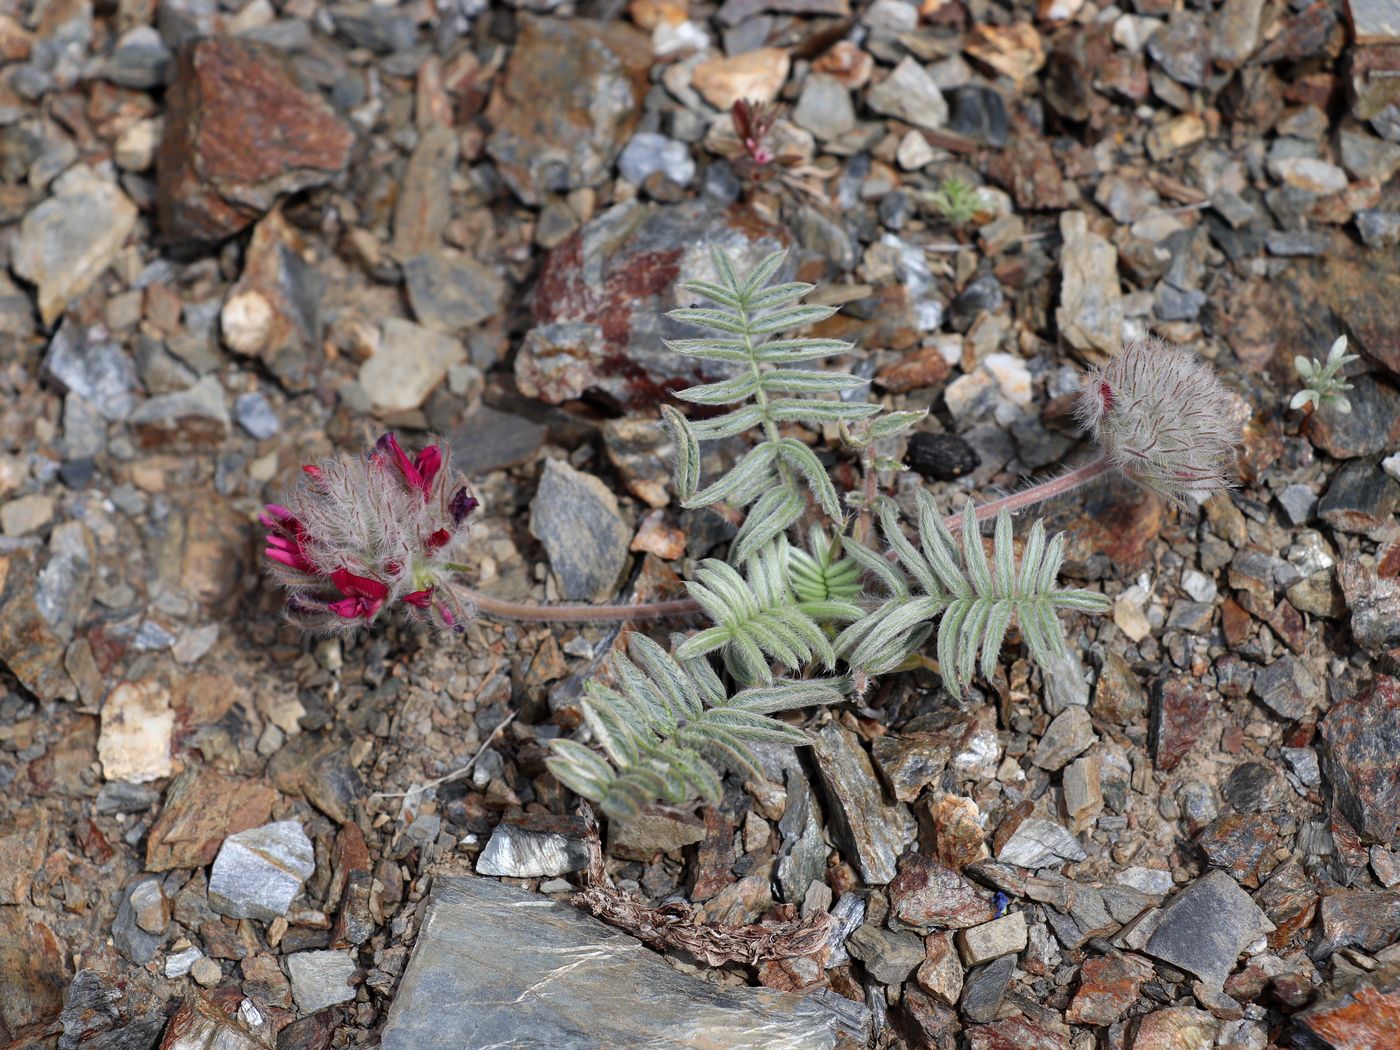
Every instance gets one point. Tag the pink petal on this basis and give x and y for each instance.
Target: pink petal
(428, 463)
(359, 586)
(422, 599)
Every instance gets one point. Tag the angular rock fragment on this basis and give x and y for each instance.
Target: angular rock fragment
(200, 1025)
(1360, 741)
(137, 724)
(872, 831)
(67, 241)
(273, 313)
(1090, 315)
(486, 951)
(322, 978)
(525, 851)
(926, 896)
(1360, 1012)
(602, 296)
(410, 363)
(570, 97)
(1206, 926)
(1030, 841)
(239, 133)
(577, 519)
(259, 871)
(191, 419)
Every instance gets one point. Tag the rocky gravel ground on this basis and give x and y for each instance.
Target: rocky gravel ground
(235, 238)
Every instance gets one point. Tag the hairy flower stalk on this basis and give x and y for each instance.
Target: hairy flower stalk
(382, 531)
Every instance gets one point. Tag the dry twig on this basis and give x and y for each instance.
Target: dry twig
(674, 925)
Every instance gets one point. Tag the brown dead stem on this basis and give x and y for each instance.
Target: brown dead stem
(674, 925)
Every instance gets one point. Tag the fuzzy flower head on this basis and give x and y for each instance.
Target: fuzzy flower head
(364, 534)
(1162, 417)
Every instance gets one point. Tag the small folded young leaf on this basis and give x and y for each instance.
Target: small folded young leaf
(686, 468)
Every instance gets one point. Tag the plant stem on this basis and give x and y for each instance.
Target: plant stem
(1037, 493)
(500, 609)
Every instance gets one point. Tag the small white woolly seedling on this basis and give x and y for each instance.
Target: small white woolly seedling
(1162, 417)
(1322, 380)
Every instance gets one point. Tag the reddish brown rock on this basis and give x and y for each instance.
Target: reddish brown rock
(925, 895)
(28, 645)
(602, 296)
(1360, 739)
(23, 845)
(1179, 711)
(922, 368)
(1362, 1015)
(1112, 530)
(201, 808)
(569, 100)
(1176, 1028)
(1027, 169)
(1108, 986)
(1019, 1033)
(1242, 844)
(31, 972)
(239, 133)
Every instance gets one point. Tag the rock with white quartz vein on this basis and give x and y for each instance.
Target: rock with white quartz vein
(521, 852)
(1039, 843)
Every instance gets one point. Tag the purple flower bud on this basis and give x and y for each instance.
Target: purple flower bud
(463, 503)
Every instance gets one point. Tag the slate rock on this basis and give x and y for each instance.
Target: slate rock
(1036, 842)
(451, 292)
(89, 363)
(1288, 687)
(485, 950)
(1374, 603)
(1360, 498)
(1068, 734)
(576, 517)
(1359, 1011)
(871, 830)
(603, 294)
(1206, 926)
(189, 420)
(648, 153)
(66, 242)
(1358, 918)
(824, 108)
(908, 93)
(984, 989)
(110, 1011)
(487, 439)
(201, 807)
(31, 971)
(410, 363)
(1360, 738)
(239, 134)
(317, 767)
(321, 978)
(136, 944)
(802, 854)
(1369, 429)
(1090, 314)
(568, 99)
(978, 113)
(255, 415)
(259, 871)
(889, 956)
(199, 1024)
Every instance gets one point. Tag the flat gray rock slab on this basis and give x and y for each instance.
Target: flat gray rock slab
(498, 966)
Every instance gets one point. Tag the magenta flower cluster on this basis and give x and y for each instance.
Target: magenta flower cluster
(362, 534)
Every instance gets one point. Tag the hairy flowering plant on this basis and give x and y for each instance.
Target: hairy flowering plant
(364, 534)
(810, 604)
